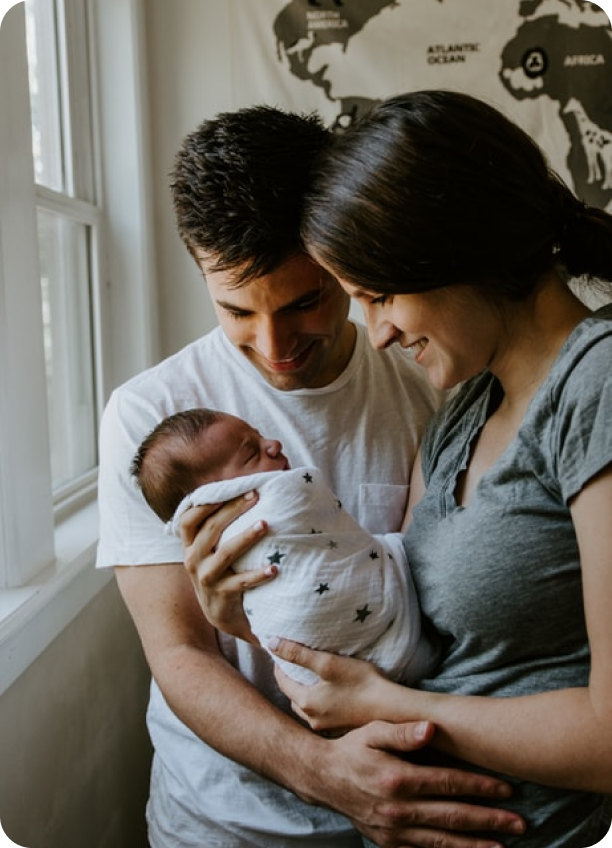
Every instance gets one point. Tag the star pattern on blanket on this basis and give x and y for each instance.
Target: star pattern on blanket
(275, 558)
(362, 614)
(279, 553)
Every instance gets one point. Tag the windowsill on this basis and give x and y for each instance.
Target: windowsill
(32, 616)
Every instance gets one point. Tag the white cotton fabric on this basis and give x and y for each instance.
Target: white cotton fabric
(338, 587)
(362, 431)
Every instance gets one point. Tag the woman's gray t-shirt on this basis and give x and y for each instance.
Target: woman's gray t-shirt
(499, 581)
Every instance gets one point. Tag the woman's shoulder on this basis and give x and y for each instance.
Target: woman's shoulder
(583, 364)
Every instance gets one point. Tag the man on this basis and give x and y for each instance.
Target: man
(232, 767)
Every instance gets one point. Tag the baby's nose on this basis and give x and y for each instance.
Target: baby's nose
(274, 448)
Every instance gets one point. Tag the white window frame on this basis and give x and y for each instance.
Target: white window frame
(47, 550)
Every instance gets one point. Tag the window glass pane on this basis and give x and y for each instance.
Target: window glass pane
(68, 340)
(45, 98)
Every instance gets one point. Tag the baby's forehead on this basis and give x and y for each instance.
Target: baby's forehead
(232, 424)
(228, 430)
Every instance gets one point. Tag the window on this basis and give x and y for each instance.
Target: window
(76, 293)
(67, 226)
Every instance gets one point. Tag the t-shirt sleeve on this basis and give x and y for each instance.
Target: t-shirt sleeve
(130, 532)
(583, 435)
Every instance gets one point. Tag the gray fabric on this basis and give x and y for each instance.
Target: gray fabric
(500, 579)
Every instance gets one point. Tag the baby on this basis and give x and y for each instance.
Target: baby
(338, 587)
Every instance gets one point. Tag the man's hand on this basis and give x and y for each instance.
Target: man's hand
(218, 588)
(399, 804)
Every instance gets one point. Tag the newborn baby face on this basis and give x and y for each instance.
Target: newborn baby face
(238, 449)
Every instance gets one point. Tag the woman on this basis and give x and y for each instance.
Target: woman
(442, 218)
(444, 221)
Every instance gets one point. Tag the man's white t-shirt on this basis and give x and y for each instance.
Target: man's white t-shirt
(362, 431)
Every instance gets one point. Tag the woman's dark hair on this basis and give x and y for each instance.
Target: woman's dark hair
(437, 188)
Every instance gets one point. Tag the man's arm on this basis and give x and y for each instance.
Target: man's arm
(388, 799)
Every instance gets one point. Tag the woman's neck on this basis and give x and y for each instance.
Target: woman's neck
(537, 329)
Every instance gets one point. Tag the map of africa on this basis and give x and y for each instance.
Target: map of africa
(556, 54)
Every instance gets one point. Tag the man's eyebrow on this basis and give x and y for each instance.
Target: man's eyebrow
(307, 297)
(232, 307)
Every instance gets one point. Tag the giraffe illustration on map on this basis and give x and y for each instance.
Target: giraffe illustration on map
(597, 144)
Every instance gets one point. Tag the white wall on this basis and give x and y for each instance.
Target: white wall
(189, 47)
(75, 752)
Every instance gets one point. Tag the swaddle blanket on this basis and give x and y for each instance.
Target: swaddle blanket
(338, 587)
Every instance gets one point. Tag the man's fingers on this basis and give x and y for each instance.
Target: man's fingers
(409, 736)
(436, 823)
(405, 737)
(453, 819)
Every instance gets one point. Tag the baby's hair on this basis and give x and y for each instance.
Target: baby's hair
(166, 466)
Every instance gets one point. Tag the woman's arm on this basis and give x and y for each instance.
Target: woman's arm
(388, 798)
(561, 738)
(416, 491)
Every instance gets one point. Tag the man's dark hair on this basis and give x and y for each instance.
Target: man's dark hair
(238, 184)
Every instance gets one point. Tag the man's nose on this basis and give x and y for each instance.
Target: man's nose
(273, 337)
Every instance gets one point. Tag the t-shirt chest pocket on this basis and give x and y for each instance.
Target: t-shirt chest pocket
(382, 506)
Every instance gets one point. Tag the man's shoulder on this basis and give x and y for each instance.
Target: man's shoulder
(185, 379)
(190, 359)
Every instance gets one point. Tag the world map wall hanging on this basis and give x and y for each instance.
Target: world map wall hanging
(546, 63)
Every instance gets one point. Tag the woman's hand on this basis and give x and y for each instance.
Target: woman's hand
(218, 588)
(348, 693)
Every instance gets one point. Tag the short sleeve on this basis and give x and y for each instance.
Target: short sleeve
(584, 420)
